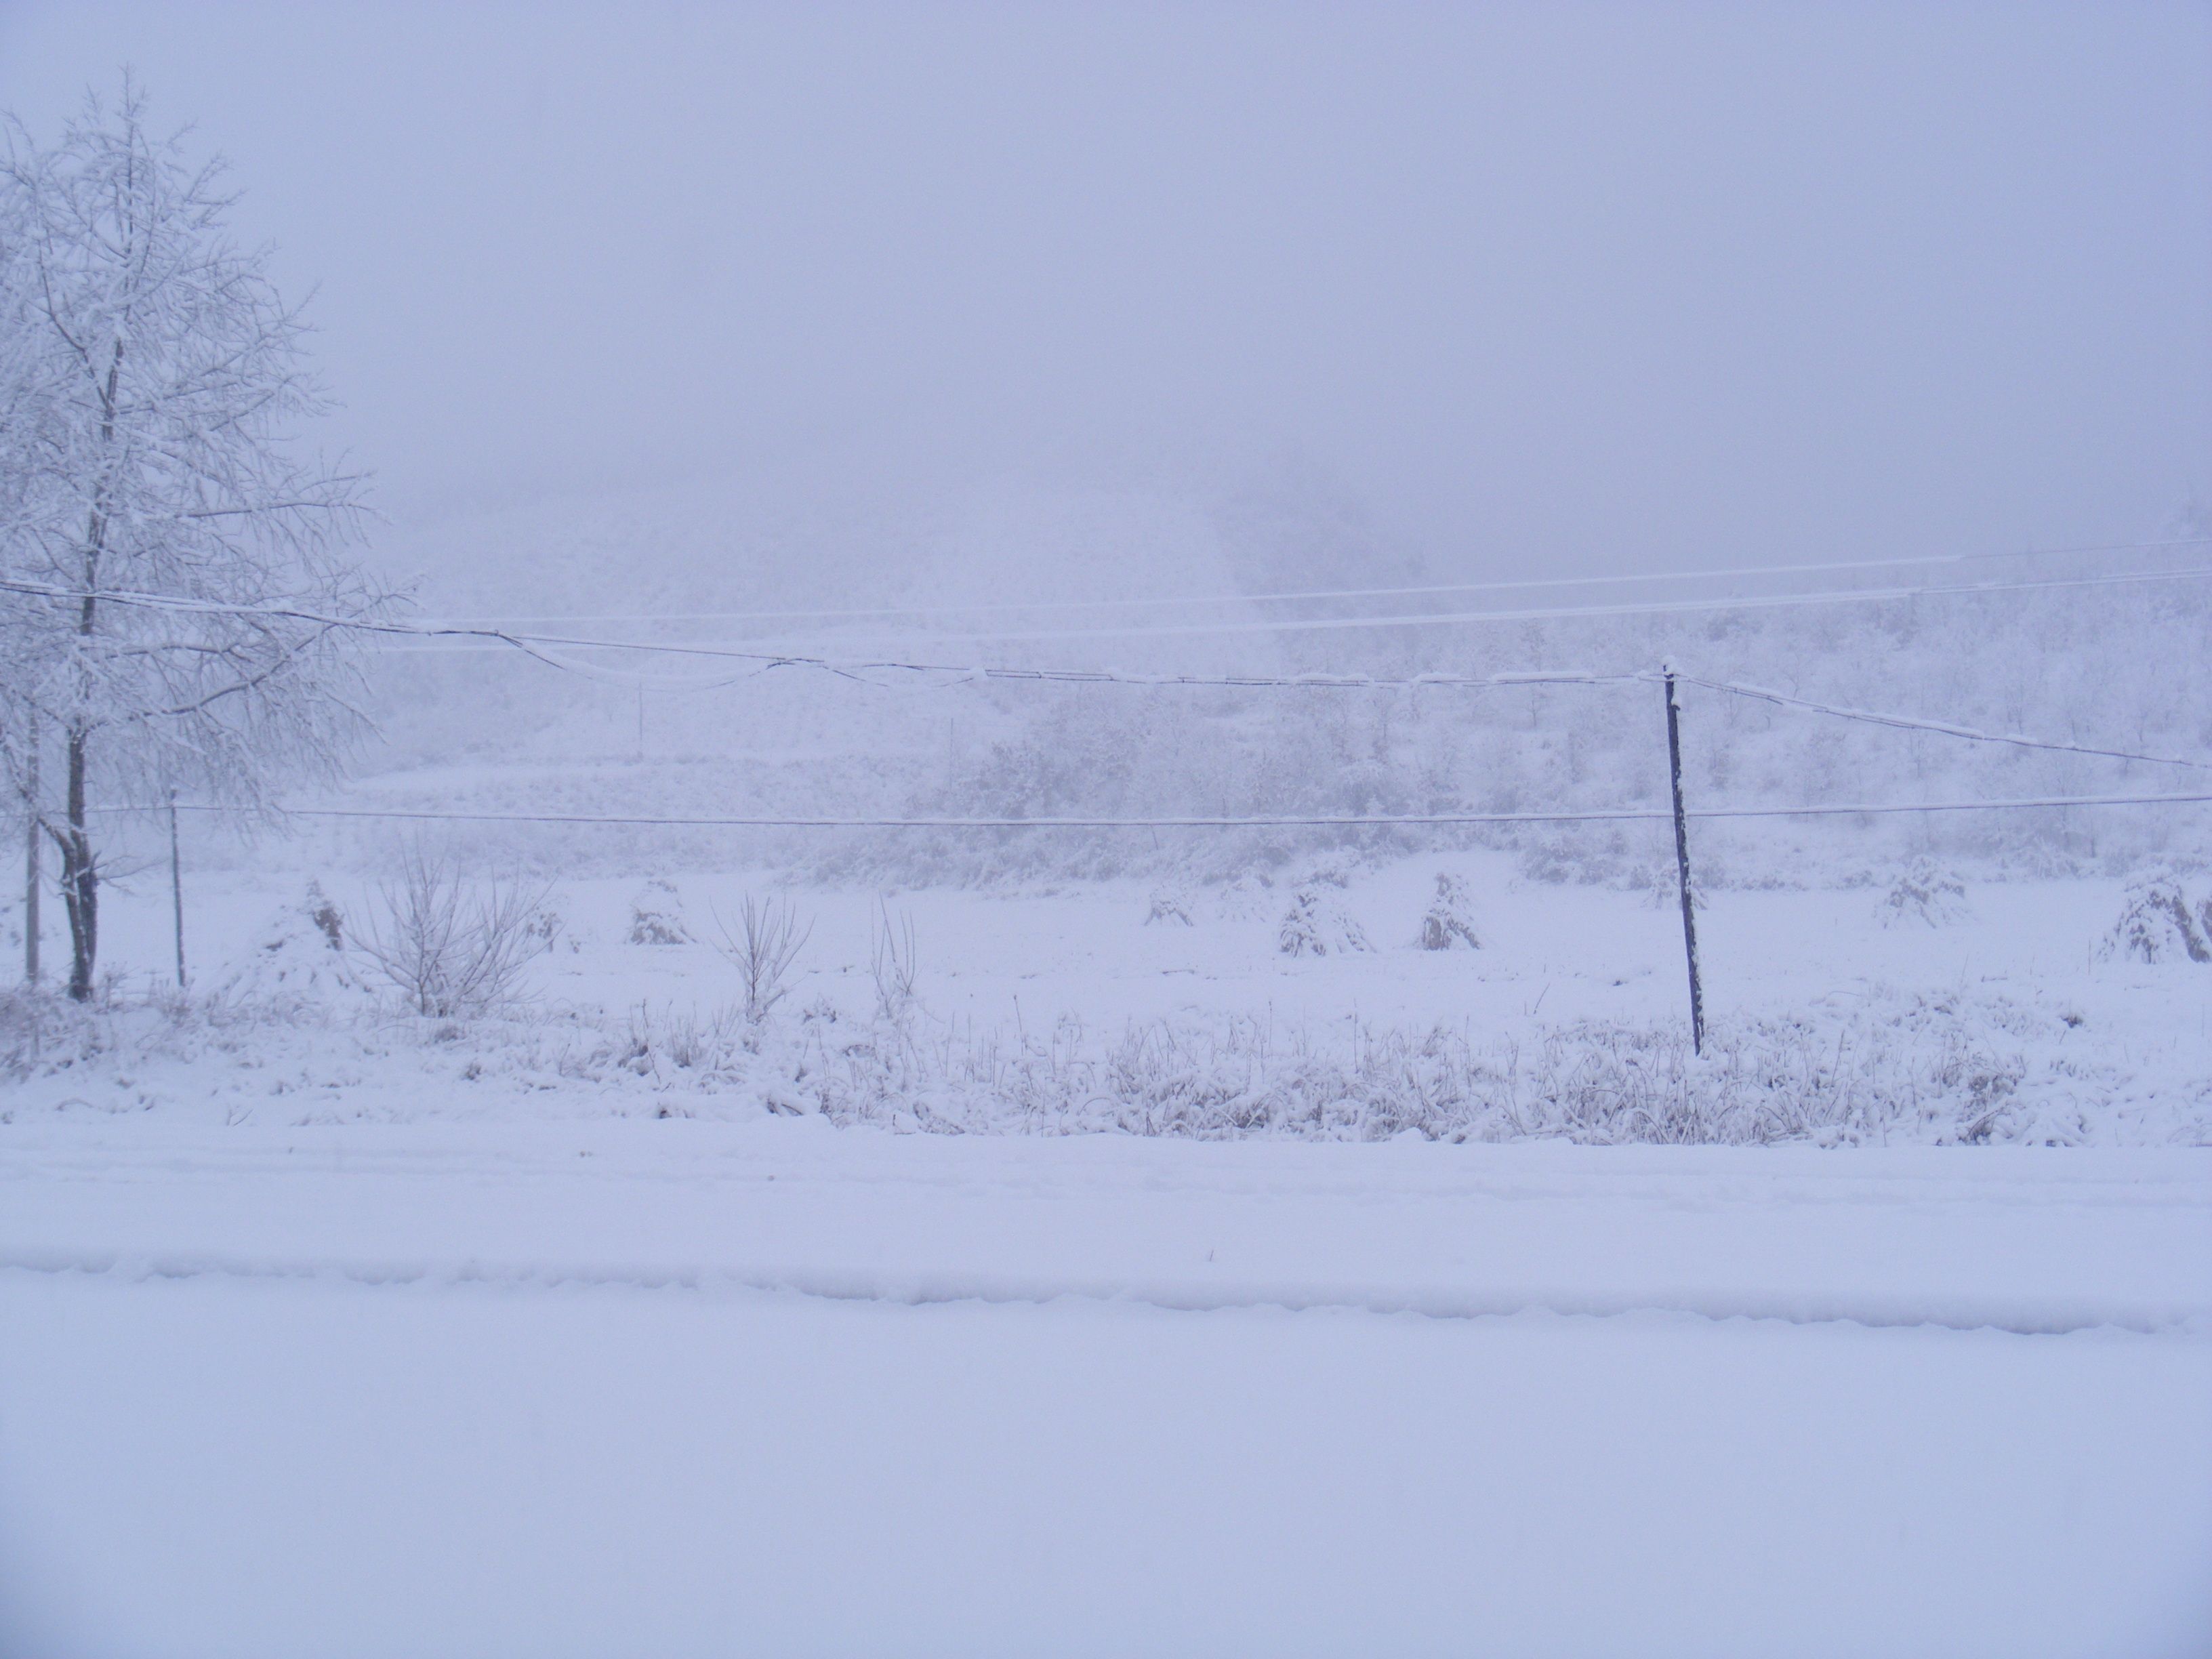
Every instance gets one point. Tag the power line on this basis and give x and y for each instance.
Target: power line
(537, 645)
(1312, 595)
(1431, 820)
(545, 647)
(1324, 624)
(1904, 722)
(542, 647)
(1555, 613)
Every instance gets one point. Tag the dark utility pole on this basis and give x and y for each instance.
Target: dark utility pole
(1682, 868)
(31, 864)
(176, 890)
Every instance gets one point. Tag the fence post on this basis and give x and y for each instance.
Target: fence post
(31, 864)
(1682, 865)
(177, 890)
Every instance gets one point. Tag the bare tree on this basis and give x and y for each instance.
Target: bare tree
(765, 944)
(177, 604)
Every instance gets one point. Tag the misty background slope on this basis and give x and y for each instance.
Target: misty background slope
(687, 311)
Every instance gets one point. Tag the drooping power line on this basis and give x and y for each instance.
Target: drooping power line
(1315, 595)
(541, 645)
(1349, 820)
(1905, 722)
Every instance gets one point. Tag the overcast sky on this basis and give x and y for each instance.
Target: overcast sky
(1548, 287)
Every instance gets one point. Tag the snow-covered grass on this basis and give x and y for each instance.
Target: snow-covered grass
(950, 1010)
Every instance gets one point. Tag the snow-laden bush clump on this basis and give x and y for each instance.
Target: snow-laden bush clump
(1658, 883)
(1318, 925)
(656, 914)
(1248, 896)
(1170, 908)
(1926, 894)
(2161, 920)
(1450, 918)
(300, 955)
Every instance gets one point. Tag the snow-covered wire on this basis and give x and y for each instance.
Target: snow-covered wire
(1346, 820)
(551, 649)
(1568, 612)
(1907, 723)
(526, 641)
(1324, 594)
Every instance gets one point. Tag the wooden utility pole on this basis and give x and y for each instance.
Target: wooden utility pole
(31, 864)
(1682, 867)
(177, 890)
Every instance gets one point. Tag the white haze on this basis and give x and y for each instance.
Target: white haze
(1492, 290)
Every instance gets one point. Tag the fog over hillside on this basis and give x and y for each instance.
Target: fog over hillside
(1529, 289)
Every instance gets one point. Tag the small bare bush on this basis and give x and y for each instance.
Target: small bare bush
(762, 948)
(893, 961)
(450, 952)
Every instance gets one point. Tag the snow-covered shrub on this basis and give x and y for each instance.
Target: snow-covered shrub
(656, 914)
(709, 1047)
(41, 1028)
(1317, 925)
(451, 953)
(548, 929)
(2162, 920)
(1450, 918)
(1931, 1070)
(328, 921)
(1169, 908)
(1248, 898)
(1925, 893)
(1658, 883)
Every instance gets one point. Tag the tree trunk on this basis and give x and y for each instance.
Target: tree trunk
(80, 879)
(80, 873)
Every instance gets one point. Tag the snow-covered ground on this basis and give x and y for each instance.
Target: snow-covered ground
(334, 1331)
(682, 1387)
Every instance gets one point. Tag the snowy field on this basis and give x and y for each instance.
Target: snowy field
(643, 1386)
(340, 1332)
(2006, 1019)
